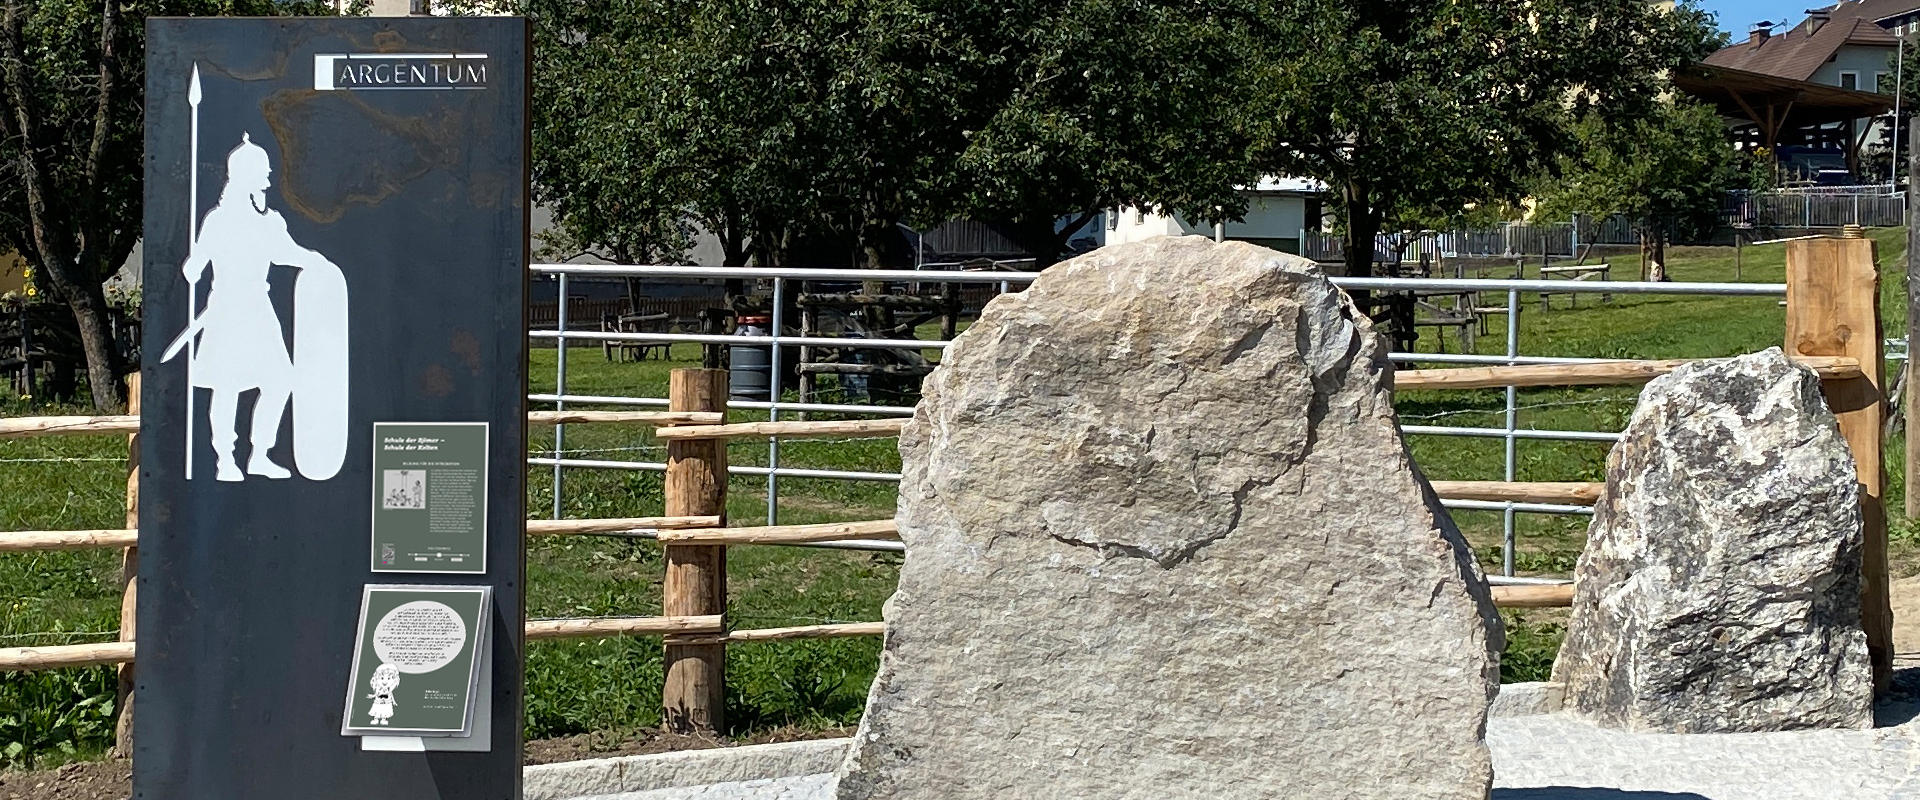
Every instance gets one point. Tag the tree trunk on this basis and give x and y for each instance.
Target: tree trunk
(89, 305)
(1363, 225)
(1657, 253)
(873, 244)
(1036, 236)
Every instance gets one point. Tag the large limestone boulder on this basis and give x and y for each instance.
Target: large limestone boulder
(1720, 587)
(1164, 541)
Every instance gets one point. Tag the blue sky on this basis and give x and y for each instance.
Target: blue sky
(1737, 15)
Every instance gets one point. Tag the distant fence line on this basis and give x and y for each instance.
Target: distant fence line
(1797, 208)
(1806, 208)
(1509, 240)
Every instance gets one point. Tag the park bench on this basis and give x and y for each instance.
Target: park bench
(635, 323)
(1575, 272)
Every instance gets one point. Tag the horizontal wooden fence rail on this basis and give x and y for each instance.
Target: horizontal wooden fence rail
(1573, 494)
(658, 418)
(16, 659)
(784, 534)
(31, 541)
(838, 631)
(1551, 595)
(559, 527)
(845, 429)
(20, 659)
(27, 541)
(68, 426)
(1598, 373)
(538, 629)
(12, 427)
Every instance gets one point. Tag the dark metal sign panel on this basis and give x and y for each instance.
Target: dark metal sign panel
(335, 237)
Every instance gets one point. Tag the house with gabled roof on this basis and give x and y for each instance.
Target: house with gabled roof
(1802, 92)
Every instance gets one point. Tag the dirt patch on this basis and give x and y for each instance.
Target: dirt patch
(85, 780)
(1905, 594)
(113, 779)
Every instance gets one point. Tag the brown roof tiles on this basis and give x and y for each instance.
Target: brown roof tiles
(1799, 52)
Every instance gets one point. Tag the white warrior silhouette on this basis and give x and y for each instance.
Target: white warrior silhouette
(238, 343)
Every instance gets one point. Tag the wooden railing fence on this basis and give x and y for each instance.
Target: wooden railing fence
(1832, 327)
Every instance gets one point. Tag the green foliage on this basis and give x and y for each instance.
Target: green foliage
(1533, 639)
(56, 715)
(768, 122)
(1410, 109)
(1668, 170)
(1101, 104)
(72, 77)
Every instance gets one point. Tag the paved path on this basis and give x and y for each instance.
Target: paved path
(805, 787)
(1551, 757)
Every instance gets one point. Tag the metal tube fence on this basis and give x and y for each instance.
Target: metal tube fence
(1866, 206)
(781, 282)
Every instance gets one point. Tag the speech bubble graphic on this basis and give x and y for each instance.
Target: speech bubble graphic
(420, 636)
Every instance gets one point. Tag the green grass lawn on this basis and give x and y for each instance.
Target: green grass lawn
(614, 684)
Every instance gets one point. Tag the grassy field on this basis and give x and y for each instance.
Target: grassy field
(614, 684)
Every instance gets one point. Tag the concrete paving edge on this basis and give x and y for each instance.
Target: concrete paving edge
(600, 776)
(1525, 699)
(603, 776)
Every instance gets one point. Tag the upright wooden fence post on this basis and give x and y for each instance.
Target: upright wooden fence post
(696, 581)
(1833, 310)
(129, 569)
(1913, 336)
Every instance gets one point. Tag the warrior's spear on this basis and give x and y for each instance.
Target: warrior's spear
(193, 243)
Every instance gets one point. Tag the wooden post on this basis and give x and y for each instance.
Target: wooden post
(950, 310)
(1913, 334)
(1832, 310)
(696, 582)
(808, 327)
(1738, 240)
(129, 571)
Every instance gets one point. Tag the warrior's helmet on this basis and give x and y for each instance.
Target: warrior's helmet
(248, 170)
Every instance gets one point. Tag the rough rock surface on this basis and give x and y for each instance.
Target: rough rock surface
(1720, 587)
(1164, 541)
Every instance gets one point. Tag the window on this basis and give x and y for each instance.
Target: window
(1850, 80)
(1882, 83)
(1113, 218)
(1140, 216)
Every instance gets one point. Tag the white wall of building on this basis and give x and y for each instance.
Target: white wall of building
(1272, 220)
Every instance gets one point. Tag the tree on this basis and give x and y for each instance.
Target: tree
(1101, 104)
(755, 120)
(1427, 106)
(762, 121)
(1668, 171)
(71, 96)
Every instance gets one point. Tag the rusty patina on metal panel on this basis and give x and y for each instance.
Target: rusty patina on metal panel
(360, 186)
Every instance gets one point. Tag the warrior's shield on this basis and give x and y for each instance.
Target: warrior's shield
(319, 371)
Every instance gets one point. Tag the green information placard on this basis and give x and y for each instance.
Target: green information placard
(414, 669)
(430, 497)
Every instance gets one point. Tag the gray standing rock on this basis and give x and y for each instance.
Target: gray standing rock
(1164, 541)
(1720, 587)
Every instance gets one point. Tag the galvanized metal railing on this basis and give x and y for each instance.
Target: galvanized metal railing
(781, 279)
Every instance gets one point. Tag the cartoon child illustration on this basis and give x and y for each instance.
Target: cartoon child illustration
(386, 678)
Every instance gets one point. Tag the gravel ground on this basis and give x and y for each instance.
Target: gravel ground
(1553, 757)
